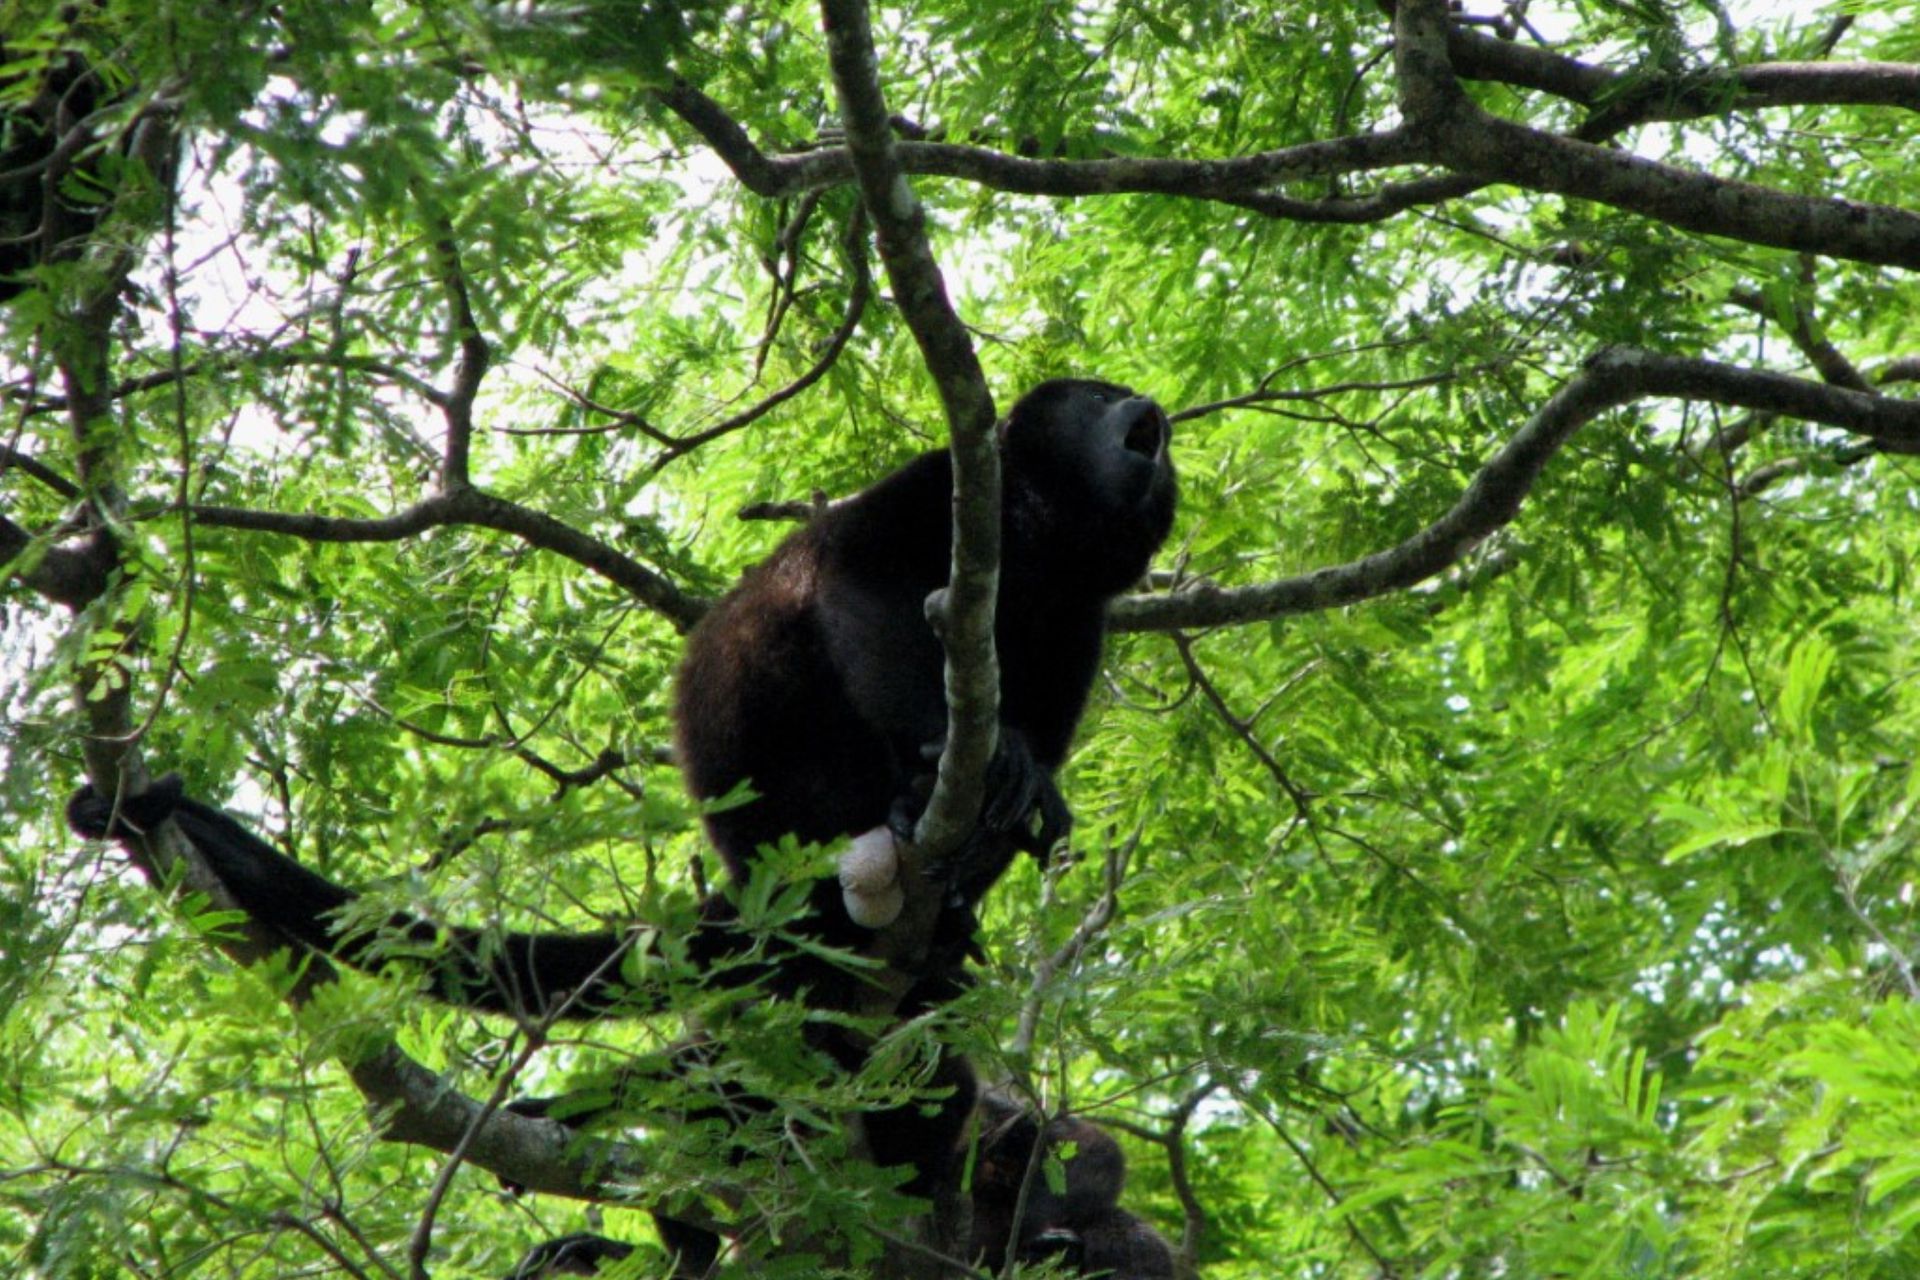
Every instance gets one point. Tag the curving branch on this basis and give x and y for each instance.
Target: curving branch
(475, 507)
(1493, 497)
(859, 294)
(964, 612)
(1804, 331)
(1464, 138)
(1624, 99)
(475, 355)
(1049, 965)
(1223, 179)
(12, 459)
(1904, 369)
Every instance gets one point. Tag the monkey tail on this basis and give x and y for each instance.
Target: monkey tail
(565, 975)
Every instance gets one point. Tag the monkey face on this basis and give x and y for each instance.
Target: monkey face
(1096, 457)
(1101, 440)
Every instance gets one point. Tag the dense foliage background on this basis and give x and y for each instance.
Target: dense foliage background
(1551, 915)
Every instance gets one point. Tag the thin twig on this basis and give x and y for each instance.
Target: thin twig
(475, 355)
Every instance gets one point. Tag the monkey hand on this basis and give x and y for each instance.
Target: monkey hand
(1059, 1244)
(98, 817)
(1022, 801)
(1019, 788)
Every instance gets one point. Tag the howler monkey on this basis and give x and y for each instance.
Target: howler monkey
(56, 178)
(1064, 1188)
(1070, 1212)
(818, 683)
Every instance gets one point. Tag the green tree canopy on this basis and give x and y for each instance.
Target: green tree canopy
(1495, 848)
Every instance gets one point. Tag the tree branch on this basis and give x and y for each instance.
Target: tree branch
(11, 458)
(1470, 141)
(1233, 179)
(471, 367)
(271, 359)
(858, 296)
(1377, 206)
(470, 506)
(965, 610)
(1478, 147)
(962, 613)
(1501, 151)
(1093, 922)
(1827, 360)
(1629, 98)
(1492, 499)
(73, 575)
(1905, 369)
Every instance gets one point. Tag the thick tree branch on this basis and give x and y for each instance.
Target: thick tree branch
(1757, 87)
(1905, 369)
(469, 506)
(1628, 98)
(1482, 57)
(1498, 150)
(1423, 74)
(73, 575)
(1610, 380)
(966, 608)
(964, 612)
(1473, 142)
(12, 458)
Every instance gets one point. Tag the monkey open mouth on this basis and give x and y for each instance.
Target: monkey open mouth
(1147, 436)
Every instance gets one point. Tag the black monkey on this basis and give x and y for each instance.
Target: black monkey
(818, 683)
(1071, 1212)
(575, 1255)
(51, 191)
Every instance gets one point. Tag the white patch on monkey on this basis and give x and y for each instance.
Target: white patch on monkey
(870, 879)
